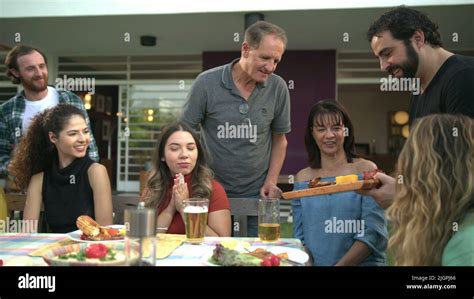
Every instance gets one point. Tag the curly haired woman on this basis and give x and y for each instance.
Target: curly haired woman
(433, 209)
(52, 162)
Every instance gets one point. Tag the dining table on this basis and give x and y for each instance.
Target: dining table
(21, 249)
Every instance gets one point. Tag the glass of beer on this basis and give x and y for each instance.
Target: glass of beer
(195, 219)
(269, 220)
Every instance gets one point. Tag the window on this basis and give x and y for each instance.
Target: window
(144, 109)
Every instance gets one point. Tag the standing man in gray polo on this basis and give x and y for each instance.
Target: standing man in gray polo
(244, 112)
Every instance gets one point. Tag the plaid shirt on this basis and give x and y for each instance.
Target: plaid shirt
(11, 121)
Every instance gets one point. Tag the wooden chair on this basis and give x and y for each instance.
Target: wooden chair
(143, 179)
(3, 206)
(241, 208)
(122, 202)
(16, 203)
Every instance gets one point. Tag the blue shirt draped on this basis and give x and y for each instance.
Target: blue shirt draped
(330, 224)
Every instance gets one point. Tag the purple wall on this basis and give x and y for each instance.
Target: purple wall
(314, 78)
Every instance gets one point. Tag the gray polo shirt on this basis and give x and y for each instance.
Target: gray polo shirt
(237, 133)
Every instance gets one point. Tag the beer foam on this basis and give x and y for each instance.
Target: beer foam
(195, 209)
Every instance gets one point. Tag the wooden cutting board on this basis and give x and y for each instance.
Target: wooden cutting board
(362, 184)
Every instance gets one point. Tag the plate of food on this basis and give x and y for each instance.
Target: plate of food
(294, 255)
(91, 231)
(256, 256)
(83, 254)
(342, 183)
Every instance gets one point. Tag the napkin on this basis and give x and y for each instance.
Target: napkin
(167, 243)
(45, 248)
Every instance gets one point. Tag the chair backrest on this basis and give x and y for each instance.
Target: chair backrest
(3, 205)
(143, 179)
(241, 208)
(16, 202)
(122, 202)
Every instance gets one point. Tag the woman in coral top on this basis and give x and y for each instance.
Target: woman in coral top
(181, 171)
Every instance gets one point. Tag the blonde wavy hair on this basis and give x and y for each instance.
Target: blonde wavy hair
(436, 166)
(158, 184)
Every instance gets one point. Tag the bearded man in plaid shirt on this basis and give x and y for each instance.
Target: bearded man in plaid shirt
(27, 65)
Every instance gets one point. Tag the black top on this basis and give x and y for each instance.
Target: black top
(450, 91)
(67, 194)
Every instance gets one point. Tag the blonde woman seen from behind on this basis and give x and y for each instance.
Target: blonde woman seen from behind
(433, 211)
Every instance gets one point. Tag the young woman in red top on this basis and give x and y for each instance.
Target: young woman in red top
(181, 171)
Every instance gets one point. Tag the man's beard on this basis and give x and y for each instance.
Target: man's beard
(410, 66)
(30, 84)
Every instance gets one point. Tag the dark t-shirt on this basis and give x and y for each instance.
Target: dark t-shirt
(450, 91)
